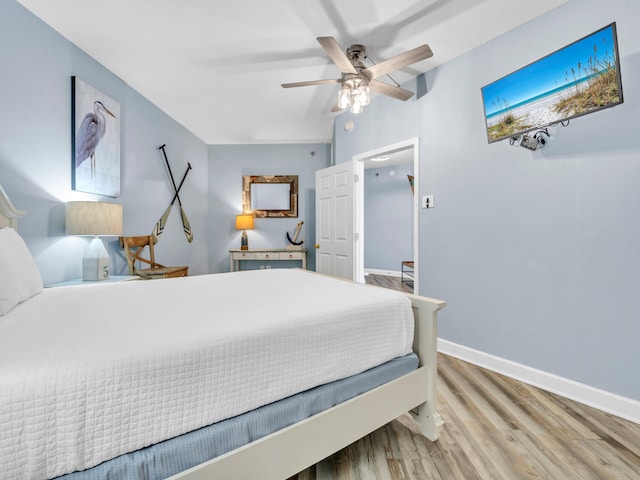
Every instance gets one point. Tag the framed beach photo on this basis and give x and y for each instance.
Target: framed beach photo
(581, 78)
(95, 127)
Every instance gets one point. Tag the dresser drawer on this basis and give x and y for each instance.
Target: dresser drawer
(244, 256)
(291, 255)
(267, 256)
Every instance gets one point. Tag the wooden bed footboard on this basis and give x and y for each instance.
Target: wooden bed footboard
(290, 450)
(425, 344)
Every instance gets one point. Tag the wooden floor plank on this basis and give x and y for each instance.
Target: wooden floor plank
(610, 428)
(394, 283)
(538, 422)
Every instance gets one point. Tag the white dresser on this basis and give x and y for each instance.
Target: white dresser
(265, 254)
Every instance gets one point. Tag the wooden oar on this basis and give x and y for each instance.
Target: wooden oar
(159, 228)
(185, 222)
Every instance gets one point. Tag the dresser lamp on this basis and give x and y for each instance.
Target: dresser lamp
(95, 219)
(244, 223)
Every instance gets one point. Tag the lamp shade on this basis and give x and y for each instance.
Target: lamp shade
(244, 222)
(93, 218)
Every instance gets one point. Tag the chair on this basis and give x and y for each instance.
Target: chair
(134, 248)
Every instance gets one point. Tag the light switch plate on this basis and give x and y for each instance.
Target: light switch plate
(427, 201)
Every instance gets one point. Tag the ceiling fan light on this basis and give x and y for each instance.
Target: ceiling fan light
(364, 96)
(344, 98)
(356, 107)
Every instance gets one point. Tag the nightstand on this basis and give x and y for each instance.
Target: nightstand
(79, 281)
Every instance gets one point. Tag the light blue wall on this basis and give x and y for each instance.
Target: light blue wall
(536, 253)
(388, 218)
(35, 152)
(227, 165)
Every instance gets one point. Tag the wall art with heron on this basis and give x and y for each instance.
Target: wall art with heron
(96, 140)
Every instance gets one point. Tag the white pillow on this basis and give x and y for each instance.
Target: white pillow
(19, 276)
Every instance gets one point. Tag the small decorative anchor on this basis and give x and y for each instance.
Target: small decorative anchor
(294, 241)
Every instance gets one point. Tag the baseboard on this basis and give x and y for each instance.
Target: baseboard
(617, 405)
(386, 273)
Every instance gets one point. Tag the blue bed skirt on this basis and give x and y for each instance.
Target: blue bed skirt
(167, 458)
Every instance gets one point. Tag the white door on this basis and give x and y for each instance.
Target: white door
(335, 244)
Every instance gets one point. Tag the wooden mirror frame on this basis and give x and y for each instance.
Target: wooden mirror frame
(292, 180)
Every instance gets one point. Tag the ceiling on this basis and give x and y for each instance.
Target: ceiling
(391, 158)
(216, 67)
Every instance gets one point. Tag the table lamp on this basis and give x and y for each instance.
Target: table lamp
(94, 218)
(244, 223)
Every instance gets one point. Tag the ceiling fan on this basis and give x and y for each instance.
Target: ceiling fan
(357, 80)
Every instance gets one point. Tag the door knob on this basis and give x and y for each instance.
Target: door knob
(317, 245)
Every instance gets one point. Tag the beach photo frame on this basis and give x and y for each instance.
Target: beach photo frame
(95, 127)
(580, 78)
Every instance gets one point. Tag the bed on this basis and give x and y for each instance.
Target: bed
(164, 367)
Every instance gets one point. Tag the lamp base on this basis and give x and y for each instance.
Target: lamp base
(244, 241)
(95, 262)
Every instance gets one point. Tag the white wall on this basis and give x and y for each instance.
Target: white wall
(536, 253)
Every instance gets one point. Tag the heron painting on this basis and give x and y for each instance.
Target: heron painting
(96, 140)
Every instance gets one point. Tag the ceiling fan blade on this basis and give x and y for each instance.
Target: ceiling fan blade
(399, 61)
(336, 108)
(337, 55)
(311, 82)
(390, 90)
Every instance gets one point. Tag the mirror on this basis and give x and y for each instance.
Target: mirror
(270, 196)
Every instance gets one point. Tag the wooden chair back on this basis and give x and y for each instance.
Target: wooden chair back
(135, 248)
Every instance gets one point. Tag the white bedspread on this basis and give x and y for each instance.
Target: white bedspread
(91, 372)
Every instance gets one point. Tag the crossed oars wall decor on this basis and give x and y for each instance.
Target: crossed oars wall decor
(159, 228)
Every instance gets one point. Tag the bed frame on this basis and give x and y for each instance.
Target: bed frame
(290, 450)
(295, 448)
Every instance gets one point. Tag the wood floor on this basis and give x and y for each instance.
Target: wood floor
(385, 281)
(495, 428)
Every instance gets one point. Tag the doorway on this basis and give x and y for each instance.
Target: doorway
(390, 158)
